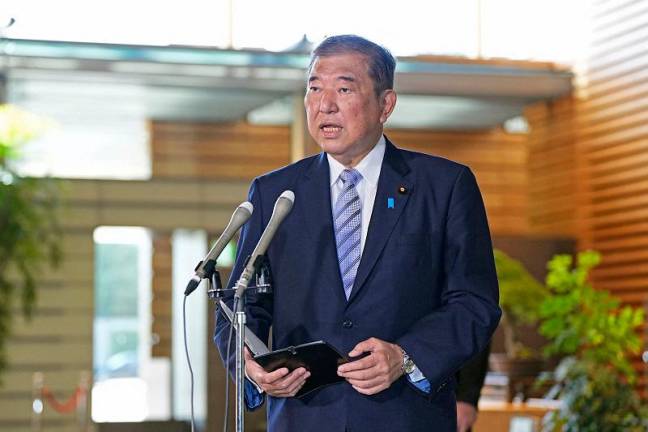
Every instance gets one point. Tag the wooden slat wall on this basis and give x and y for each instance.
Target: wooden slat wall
(552, 187)
(498, 160)
(613, 134)
(57, 341)
(588, 155)
(224, 151)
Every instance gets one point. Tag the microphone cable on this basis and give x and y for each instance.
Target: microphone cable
(184, 330)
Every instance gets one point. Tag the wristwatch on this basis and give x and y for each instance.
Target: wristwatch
(408, 363)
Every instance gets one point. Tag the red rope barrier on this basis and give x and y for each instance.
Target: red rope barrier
(63, 407)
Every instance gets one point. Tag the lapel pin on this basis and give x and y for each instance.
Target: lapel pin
(390, 203)
(402, 190)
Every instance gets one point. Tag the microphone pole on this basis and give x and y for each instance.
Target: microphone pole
(282, 207)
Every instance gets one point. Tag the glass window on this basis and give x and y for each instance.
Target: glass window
(122, 325)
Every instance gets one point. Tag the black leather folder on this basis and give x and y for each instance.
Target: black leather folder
(319, 358)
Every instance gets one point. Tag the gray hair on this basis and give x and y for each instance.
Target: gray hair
(380, 61)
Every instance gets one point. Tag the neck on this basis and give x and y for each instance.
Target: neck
(351, 161)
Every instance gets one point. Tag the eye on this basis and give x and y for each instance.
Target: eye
(313, 89)
(344, 90)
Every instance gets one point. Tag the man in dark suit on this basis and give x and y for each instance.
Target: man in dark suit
(386, 252)
(470, 380)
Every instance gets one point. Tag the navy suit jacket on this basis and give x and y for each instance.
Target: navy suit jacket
(426, 281)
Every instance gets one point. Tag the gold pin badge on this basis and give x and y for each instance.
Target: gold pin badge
(402, 190)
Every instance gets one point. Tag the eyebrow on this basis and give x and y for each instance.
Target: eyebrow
(346, 78)
(340, 78)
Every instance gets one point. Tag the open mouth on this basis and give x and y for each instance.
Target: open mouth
(330, 128)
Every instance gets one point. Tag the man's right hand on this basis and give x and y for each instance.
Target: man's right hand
(278, 383)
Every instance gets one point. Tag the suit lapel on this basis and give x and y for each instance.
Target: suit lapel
(387, 209)
(317, 217)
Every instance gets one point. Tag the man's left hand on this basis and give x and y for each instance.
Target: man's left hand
(375, 372)
(466, 416)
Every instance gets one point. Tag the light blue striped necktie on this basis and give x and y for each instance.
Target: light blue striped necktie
(348, 224)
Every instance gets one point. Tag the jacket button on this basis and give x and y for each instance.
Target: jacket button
(347, 324)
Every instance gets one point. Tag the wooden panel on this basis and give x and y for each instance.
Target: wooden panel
(588, 158)
(613, 138)
(162, 293)
(552, 167)
(498, 160)
(591, 108)
(68, 323)
(66, 297)
(217, 151)
(55, 351)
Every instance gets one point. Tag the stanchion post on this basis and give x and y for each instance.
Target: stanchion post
(37, 401)
(82, 401)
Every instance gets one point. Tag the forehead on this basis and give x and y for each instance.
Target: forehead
(334, 66)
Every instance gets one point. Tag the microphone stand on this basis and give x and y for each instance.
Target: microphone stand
(240, 364)
(214, 292)
(263, 286)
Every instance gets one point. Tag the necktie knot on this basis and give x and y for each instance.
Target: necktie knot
(350, 175)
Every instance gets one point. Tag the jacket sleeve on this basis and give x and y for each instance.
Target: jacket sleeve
(446, 338)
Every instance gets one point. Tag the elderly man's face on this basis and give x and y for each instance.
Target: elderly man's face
(345, 116)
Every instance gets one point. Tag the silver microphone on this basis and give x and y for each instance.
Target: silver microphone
(281, 209)
(205, 267)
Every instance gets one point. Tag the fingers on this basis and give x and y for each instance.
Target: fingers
(367, 345)
(375, 380)
(288, 385)
(280, 382)
(358, 365)
(377, 371)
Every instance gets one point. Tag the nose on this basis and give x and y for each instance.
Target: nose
(328, 103)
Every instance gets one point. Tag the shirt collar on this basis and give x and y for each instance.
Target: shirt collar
(369, 166)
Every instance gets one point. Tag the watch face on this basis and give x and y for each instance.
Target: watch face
(409, 366)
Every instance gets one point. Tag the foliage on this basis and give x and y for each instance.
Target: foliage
(520, 298)
(595, 381)
(578, 319)
(29, 231)
(594, 400)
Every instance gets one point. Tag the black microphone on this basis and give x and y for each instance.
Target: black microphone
(281, 209)
(206, 267)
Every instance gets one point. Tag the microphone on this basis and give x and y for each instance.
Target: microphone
(206, 267)
(281, 209)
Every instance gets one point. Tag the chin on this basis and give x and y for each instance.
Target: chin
(327, 145)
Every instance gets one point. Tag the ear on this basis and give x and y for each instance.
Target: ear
(387, 103)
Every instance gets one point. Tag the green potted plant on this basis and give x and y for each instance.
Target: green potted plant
(520, 298)
(596, 336)
(29, 230)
